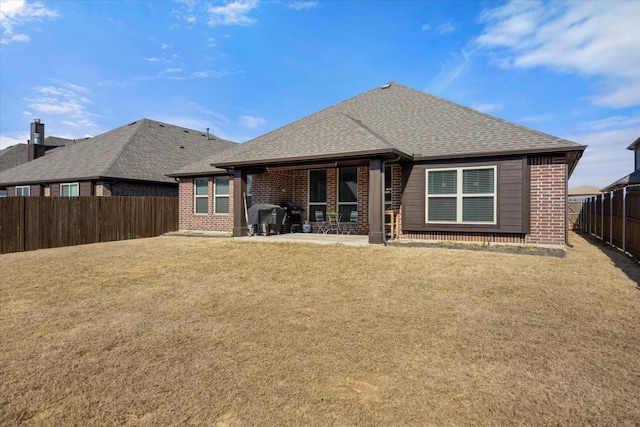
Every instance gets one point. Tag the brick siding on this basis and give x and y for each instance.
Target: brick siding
(188, 220)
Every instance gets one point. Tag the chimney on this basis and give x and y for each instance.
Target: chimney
(36, 143)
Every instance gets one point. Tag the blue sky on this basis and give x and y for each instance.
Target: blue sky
(245, 67)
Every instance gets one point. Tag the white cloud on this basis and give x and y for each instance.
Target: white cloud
(426, 27)
(251, 122)
(589, 38)
(301, 5)
(449, 72)
(233, 13)
(606, 158)
(65, 99)
(446, 28)
(16, 13)
(8, 141)
(486, 107)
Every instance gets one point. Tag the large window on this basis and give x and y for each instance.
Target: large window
(347, 192)
(23, 190)
(69, 190)
(317, 192)
(221, 195)
(201, 196)
(462, 195)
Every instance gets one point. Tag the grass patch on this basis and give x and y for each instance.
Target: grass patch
(199, 331)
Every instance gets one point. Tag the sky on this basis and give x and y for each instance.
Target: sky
(243, 68)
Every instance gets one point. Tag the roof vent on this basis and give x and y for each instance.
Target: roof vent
(181, 146)
(387, 86)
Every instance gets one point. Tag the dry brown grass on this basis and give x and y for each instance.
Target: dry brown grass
(198, 331)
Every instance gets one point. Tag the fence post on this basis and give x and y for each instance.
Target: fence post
(624, 220)
(611, 218)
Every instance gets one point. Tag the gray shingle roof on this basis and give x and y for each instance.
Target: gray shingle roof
(143, 150)
(392, 117)
(13, 156)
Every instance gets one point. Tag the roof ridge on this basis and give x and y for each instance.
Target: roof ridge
(115, 158)
(366, 129)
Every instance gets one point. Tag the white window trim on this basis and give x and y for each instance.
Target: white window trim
(22, 187)
(216, 196)
(200, 196)
(459, 196)
(338, 202)
(69, 184)
(312, 217)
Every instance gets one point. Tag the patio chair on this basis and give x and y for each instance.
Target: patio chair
(321, 223)
(349, 227)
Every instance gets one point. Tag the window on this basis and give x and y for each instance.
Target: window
(388, 188)
(221, 195)
(69, 190)
(249, 190)
(317, 192)
(347, 192)
(201, 196)
(23, 191)
(462, 195)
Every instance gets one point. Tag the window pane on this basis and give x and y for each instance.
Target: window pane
(202, 205)
(477, 181)
(222, 205)
(477, 209)
(222, 186)
(443, 182)
(64, 190)
(318, 186)
(314, 208)
(73, 190)
(348, 185)
(202, 186)
(442, 209)
(345, 212)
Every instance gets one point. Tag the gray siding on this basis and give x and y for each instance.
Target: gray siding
(512, 204)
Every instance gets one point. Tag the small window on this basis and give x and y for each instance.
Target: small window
(221, 195)
(24, 190)
(249, 190)
(69, 190)
(461, 196)
(201, 196)
(318, 191)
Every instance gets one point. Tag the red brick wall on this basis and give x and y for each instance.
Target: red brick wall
(548, 200)
(188, 220)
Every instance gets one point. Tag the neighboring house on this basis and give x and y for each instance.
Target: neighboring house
(445, 171)
(132, 160)
(634, 177)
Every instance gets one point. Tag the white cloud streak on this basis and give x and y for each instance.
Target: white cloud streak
(16, 13)
(589, 38)
(65, 99)
(250, 122)
(232, 13)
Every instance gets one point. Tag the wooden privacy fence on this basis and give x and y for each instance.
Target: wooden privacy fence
(614, 217)
(29, 223)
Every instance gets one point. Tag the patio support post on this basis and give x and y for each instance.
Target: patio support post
(376, 205)
(239, 192)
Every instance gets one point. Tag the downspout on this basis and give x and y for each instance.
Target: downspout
(384, 168)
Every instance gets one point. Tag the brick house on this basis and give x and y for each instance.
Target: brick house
(442, 170)
(131, 160)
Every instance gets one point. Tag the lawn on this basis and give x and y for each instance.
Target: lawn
(217, 332)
